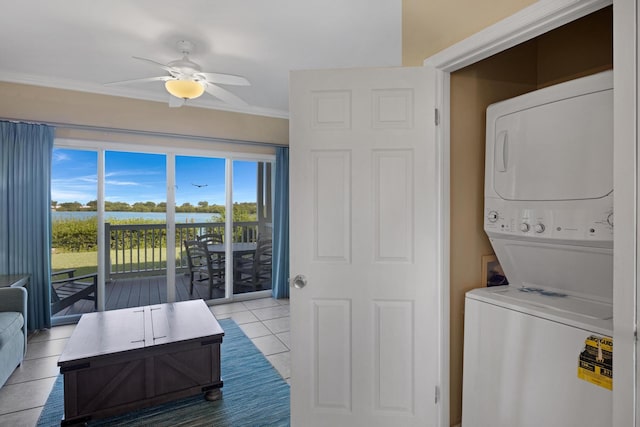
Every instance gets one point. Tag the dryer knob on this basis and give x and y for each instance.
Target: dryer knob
(524, 227)
(539, 228)
(610, 219)
(492, 216)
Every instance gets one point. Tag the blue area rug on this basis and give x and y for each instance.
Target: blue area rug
(254, 394)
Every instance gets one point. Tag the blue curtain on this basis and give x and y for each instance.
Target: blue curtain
(25, 212)
(281, 225)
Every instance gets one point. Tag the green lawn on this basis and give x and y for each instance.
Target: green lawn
(84, 262)
(87, 262)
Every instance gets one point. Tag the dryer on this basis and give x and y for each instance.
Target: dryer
(549, 217)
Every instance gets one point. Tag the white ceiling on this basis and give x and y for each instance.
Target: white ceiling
(80, 44)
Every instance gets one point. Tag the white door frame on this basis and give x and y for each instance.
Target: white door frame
(625, 205)
(524, 25)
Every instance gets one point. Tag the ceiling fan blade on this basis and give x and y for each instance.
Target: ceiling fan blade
(148, 79)
(224, 95)
(224, 79)
(175, 102)
(168, 69)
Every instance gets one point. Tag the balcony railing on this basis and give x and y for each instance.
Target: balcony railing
(141, 249)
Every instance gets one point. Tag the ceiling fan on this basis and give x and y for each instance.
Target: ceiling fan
(186, 80)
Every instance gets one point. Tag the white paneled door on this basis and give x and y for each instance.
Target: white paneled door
(365, 313)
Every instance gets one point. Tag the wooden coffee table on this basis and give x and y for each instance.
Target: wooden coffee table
(120, 360)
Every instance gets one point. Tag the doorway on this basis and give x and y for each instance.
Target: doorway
(579, 48)
(129, 194)
(518, 29)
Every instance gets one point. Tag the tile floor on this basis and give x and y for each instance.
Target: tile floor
(265, 321)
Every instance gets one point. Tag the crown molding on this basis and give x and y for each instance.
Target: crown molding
(134, 93)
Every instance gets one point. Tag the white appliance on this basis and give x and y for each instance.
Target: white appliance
(549, 217)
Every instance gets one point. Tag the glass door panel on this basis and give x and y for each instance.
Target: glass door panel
(252, 226)
(200, 217)
(74, 227)
(135, 227)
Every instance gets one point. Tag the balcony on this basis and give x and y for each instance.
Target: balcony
(136, 249)
(124, 292)
(136, 264)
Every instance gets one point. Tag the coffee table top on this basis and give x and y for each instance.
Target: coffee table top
(128, 329)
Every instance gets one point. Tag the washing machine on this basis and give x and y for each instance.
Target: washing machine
(538, 352)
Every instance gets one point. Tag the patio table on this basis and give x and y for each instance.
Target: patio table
(239, 250)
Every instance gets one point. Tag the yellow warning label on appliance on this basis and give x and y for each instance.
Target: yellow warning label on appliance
(595, 364)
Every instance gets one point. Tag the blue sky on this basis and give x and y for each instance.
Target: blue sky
(139, 177)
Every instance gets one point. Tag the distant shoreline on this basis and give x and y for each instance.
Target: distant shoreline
(181, 217)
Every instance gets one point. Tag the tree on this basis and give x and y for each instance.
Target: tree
(116, 206)
(185, 207)
(70, 206)
(141, 207)
(217, 209)
(242, 212)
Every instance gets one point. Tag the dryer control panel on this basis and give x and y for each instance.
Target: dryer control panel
(590, 221)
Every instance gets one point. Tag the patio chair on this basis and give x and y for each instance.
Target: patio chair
(71, 289)
(210, 238)
(256, 275)
(204, 266)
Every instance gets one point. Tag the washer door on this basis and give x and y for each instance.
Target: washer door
(576, 270)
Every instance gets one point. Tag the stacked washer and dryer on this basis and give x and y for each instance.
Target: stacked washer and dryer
(528, 346)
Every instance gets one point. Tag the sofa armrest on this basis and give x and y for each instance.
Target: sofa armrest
(15, 299)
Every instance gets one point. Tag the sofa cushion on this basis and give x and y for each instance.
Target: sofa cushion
(10, 324)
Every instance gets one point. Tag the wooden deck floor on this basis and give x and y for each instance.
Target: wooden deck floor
(138, 291)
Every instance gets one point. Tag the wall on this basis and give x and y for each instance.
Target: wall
(472, 90)
(431, 26)
(33, 103)
(579, 48)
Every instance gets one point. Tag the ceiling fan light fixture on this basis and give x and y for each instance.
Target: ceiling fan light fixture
(185, 89)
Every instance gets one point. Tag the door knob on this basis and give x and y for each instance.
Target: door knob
(299, 282)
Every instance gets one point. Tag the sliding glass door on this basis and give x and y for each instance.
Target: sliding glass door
(252, 226)
(200, 212)
(74, 227)
(133, 212)
(135, 229)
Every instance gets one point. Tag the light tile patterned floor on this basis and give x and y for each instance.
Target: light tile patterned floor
(265, 321)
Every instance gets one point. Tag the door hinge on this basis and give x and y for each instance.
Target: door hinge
(437, 399)
(437, 117)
